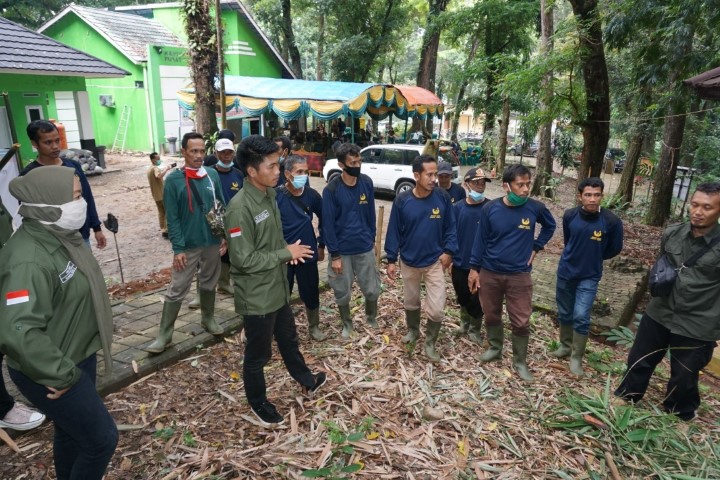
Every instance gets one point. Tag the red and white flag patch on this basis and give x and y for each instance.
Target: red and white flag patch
(235, 232)
(19, 296)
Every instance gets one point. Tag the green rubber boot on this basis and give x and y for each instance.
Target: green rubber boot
(566, 340)
(520, 350)
(412, 320)
(475, 329)
(371, 312)
(195, 302)
(464, 323)
(432, 330)
(225, 284)
(313, 317)
(495, 334)
(207, 312)
(167, 326)
(347, 322)
(579, 343)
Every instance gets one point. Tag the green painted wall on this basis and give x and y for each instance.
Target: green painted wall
(22, 91)
(263, 64)
(73, 31)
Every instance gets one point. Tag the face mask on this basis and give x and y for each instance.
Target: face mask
(516, 200)
(299, 181)
(225, 165)
(72, 217)
(158, 163)
(281, 160)
(353, 171)
(476, 196)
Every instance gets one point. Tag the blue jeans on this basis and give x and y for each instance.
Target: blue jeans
(85, 433)
(574, 301)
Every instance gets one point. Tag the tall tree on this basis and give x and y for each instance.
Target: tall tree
(289, 36)
(544, 170)
(203, 61)
(596, 125)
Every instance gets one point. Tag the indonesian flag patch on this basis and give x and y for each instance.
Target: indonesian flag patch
(19, 296)
(235, 232)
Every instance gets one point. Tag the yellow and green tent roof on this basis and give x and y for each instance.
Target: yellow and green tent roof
(291, 99)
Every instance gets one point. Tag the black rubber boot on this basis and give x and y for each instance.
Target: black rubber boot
(432, 330)
(412, 319)
(520, 350)
(313, 317)
(495, 334)
(347, 322)
(371, 312)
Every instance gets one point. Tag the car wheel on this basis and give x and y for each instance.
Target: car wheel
(332, 176)
(404, 187)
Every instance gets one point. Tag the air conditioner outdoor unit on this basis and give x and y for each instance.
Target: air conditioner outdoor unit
(107, 101)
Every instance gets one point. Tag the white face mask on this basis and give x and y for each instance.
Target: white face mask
(72, 217)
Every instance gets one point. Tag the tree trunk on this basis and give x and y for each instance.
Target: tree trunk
(627, 180)
(490, 80)
(203, 62)
(664, 180)
(293, 51)
(502, 142)
(544, 162)
(596, 126)
(459, 104)
(320, 47)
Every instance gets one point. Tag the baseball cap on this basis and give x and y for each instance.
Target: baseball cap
(224, 144)
(444, 168)
(476, 173)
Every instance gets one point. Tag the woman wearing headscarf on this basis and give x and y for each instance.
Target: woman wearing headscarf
(54, 316)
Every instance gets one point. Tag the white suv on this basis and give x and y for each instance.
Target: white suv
(389, 166)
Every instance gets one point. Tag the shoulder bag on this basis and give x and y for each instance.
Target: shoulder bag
(663, 274)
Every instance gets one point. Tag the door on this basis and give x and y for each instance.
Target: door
(371, 164)
(393, 168)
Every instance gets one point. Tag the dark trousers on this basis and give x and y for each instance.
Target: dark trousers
(687, 357)
(260, 330)
(85, 433)
(308, 282)
(465, 298)
(6, 401)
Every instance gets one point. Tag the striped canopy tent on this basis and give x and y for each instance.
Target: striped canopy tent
(290, 99)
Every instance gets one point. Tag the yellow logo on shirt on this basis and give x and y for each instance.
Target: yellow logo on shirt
(597, 235)
(524, 224)
(234, 186)
(363, 199)
(435, 213)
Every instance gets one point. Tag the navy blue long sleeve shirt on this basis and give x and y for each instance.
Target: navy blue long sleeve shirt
(92, 221)
(421, 229)
(297, 219)
(467, 217)
(505, 236)
(456, 193)
(589, 239)
(348, 214)
(231, 182)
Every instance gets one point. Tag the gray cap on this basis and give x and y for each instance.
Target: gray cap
(444, 168)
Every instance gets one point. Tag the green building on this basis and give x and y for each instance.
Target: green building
(141, 111)
(41, 78)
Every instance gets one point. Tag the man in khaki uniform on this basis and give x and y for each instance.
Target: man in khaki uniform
(155, 175)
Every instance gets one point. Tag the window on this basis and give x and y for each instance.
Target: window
(371, 155)
(393, 157)
(33, 112)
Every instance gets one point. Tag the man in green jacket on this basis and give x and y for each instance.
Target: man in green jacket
(13, 414)
(258, 257)
(685, 324)
(188, 195)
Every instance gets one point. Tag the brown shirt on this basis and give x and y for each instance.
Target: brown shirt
(156, 183)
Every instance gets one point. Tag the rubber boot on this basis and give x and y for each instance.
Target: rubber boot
(346, 317)
(432, 330)
(371, 312)
(313, 317)
(579, 342)
(412, 320)
(566, 340)
(495, 334)
(167, 326)
(195, 302)
(464, 323)
(224, 283)
(474, 330)
(207, 312)
(520, 350)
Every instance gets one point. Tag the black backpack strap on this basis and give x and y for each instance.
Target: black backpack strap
(300, 203)
(197, 196)
(692, 260)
